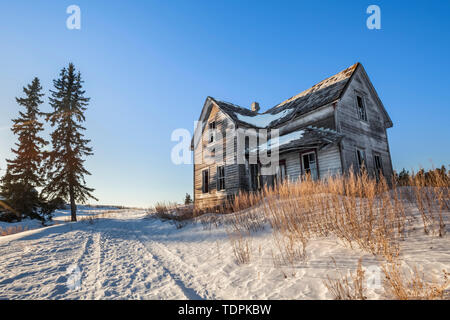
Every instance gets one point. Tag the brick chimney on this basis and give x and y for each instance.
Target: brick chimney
(255, 106)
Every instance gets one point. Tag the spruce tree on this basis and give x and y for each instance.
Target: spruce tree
(25, 173)
(187, 199)
(65, 163)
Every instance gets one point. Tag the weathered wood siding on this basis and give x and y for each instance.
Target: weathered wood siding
(371, 135)
(225, 155)
(329, 162)
(293, 169)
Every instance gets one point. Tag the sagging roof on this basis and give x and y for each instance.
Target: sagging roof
(303, 139)
(325, 92)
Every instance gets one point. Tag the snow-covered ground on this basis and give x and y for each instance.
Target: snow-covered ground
(124, 254)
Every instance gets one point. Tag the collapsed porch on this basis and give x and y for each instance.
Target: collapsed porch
(310, 151)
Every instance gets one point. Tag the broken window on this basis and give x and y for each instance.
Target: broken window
(212, 128)
(378, 165)
(361, 108)
(205, 181)
(254, 177)
(221, 178)
(361, 157)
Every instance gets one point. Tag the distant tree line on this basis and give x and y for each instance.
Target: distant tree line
(436, 177)
(39, 180)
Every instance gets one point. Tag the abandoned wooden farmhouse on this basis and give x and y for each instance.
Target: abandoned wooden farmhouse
(338, 124)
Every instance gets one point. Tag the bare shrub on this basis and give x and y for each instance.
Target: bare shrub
(171, 211)
(412, 285)
(241, 248)
(290, 249)
(348, 287)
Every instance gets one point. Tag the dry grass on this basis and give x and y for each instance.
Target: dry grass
(431, 192)
(241, 247)
(356, 208)
(412, 285)
(348, 287)
(359, 210)
(12, 230)
(172, 211)
(290, 250)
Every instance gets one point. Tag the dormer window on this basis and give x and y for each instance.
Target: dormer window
(212, 128)
(362, 114)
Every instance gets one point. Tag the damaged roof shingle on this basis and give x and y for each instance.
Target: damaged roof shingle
(315, 97)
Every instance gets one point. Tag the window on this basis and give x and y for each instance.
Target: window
(361, 157)
(378, 165)
(281, 171)
(309, 164)
(221, 178)
(205, 181)
(362, 115)
(254, 177)
(212, 128)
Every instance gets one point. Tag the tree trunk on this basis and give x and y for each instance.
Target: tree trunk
(73, 207)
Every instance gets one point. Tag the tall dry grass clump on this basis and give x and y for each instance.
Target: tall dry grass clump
(358, 209)
(348, 287)
(412, 285)
(431, 195)
(355, 208)
(179, 214)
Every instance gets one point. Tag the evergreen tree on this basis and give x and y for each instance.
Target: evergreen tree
(187, 199)
(65, 163)
(24, 173)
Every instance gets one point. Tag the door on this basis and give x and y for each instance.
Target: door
(309, 164)
(281, 171)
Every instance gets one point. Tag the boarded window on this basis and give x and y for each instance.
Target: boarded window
(361, 157)
(221, 178)
(309, 164)
(205, 181)
(378, 165)
(361, 108)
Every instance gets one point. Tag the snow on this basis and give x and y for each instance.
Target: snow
(281, 140)
(124, 254)
(264, 119)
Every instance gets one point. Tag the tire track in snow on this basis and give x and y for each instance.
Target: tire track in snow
(89, 264)
(177, 269)
(121, 267)
(187, 292)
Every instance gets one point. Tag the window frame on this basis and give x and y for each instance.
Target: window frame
(205, 187)
(302, 166)
(377, 170)
(221, 181)
(360, 96)
(211, 130)
(254, 175)
(364, 160)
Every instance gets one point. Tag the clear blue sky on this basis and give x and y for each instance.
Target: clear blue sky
(149, 65)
